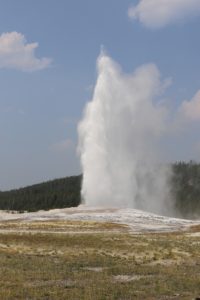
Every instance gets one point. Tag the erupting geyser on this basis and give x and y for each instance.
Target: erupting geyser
(119, 140)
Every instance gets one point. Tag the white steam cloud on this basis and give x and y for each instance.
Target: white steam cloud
(118, 140)
(159, 13)
(190, 110)
(16, 53)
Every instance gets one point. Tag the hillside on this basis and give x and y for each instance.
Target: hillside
(65, 192)
(56, 193)
(186, 189)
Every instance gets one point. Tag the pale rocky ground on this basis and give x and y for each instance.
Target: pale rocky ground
(136, 220)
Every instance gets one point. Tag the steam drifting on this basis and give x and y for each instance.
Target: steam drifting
(119, 137)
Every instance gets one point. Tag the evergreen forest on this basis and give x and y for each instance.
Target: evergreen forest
(65, 192)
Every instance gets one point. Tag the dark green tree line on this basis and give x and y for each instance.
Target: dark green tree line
(65, 192)
(57, 193)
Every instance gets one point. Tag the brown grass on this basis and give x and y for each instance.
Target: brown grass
(105, 262)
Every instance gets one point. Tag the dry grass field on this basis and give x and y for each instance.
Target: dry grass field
(76, 260)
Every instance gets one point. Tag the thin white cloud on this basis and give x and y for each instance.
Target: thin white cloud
(63, 146)
(197, 150)
(16, 53)
(190, 109)
(159, 13)
(89, 88)
(10, 109)
(69, 120)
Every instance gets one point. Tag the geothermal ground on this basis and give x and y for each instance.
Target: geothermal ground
(96, 253)
(136, 220)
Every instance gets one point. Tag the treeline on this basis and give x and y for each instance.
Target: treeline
(65, 192)
(58, 193)
(186, 189)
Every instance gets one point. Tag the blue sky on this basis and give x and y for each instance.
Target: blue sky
(44, 88)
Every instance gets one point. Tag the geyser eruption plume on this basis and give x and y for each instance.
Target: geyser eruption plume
(119, 137)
